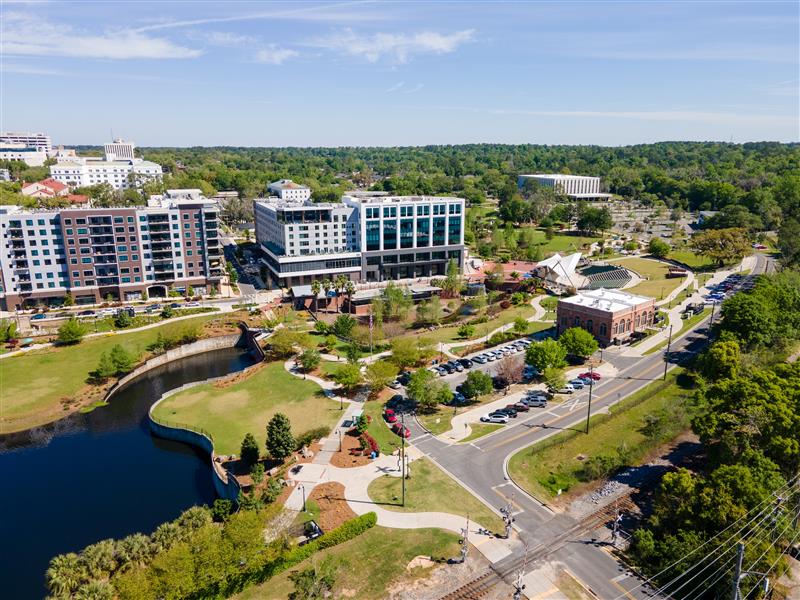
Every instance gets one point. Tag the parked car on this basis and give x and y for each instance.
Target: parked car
(577, 384)
(499, 382)
(398, 429)
(456, 366)
(535, 402)
(593, 374)
(495, 418)
(459, 398)
(519, 407)
(192, 304)
(38, 317)
(389, 415)
(566, 389)
(404, 378)
(586, 380)
(480, 359)
(465, 362)
(507, 411)
(87, 313)
(395, 385)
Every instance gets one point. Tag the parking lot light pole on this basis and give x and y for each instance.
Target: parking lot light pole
(339, 431)
(666, 354)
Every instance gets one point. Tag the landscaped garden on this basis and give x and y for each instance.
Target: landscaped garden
(63, 372)
(633, 427)
(229, 411)
(429, 489)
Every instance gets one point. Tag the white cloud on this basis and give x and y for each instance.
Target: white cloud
(414, 89)
(33, 70)
(396, 87)
(274, 55)
(224, 38)
(399, 47)
(28, 36)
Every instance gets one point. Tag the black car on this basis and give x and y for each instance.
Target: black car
(509, 412)
(404, 378)
(466, 363)
(499, 382)
(447, 368)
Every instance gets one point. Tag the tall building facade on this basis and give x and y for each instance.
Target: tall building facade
(366, 237)
(173, 243)
(33, 157)
(120, 168)
(28, 139)
(579, 187)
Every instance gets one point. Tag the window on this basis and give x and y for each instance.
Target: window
(86, 261)
(576, 321)
(603, 329)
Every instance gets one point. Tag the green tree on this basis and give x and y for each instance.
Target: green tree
(722, 245)
(282, 342)
(553, 378)
(476, 384)
(429, 312)
(122, 319)
(578, 342)
(316, 288)
(65, 574)
(521, 326)
(343, 325)
(310, 360)
(466, 331)
(122, 360)
(348, 376)
(280, 442)
(105, 368)
(257, 473)
(167, 312)
(221, 509)
(352, 352)
(722, 360)
(314, 582)
(330, 342)
(71, 332)
(405, 352)
(751, 319)
(452, 281)
(379, 374)
(658, 248)
(547, 353)
(426, 392)
(69, 300)
(249, 451)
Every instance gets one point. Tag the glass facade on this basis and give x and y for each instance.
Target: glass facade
(407, 233)
(439, 231)
(373, 235)
(390, 234)
(454, 231)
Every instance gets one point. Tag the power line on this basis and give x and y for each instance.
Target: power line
(771, 567)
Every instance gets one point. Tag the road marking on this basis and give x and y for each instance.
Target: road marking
(622, 589)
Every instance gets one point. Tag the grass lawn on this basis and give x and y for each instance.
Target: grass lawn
(692, 260)
(657, 285)
(377, 428)
(228, 413)
(480, 430)
(686, 324)
(367, 566)
(550, 304)
(328, 367)
(61, 372)
(553, 464)
(431, 490)
(562, 242)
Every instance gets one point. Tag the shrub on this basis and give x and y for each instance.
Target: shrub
(321, 327)
(221, 509)
(369, 442)
(257, 473)
(123, 319)
(167, 312)
(71, 332)
(504, 304)
(362, 424)
(272, 492)
(311, 436)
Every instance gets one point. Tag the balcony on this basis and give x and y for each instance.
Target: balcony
(20, 254)
(20, 264)
(102, 239)
(159, 227)
(108, 280)
(164, 276)
(24, 278)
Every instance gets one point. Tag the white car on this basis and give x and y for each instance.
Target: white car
(480, 359)
(490, 356)
(567, 389)
(494, 418)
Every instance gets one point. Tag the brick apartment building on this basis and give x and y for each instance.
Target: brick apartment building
(173, 243)
(609, 315)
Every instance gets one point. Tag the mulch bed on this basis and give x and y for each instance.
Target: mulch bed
(347, 458)
(333, 509)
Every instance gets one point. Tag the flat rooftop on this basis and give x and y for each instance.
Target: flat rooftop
(606, 300)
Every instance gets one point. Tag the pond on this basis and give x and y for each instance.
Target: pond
(99, 475)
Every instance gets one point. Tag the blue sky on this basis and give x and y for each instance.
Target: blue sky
(401, 73)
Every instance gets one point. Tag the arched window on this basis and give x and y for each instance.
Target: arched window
(629, 325)
(577, 322)
(638, 320)
(603, 329)
(590, 326)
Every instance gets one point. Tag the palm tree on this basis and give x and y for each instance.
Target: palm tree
(95, 590)
(316, 286)
(341, 281)
(65, 573)
(100, 559)
(133, 551)
(326, 285)
(350, 289)
(164, 536)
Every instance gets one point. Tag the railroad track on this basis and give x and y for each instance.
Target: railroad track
(486, 580)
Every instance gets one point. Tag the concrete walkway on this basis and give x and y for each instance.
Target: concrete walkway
(356, 481)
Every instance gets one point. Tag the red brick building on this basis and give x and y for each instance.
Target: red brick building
(609, 315)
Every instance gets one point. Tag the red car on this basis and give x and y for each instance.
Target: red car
(591, 375)
(389, 415)
(401, 431)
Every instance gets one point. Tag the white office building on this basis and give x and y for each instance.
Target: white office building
(578, 187)
(26, 138)
(286, 189)
(120, 169)
(33, 157)
(367, 237)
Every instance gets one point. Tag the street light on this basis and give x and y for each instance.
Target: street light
(339, 431)
(303, 489)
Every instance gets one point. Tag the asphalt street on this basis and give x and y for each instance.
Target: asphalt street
(481, 465)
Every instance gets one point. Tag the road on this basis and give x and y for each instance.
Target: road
(481, 465)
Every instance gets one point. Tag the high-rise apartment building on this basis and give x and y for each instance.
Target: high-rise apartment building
(368, 236)
(120, 168)
(28, 139)
(173, 243)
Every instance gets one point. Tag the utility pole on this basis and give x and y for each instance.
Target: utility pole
(403, 455)
(666, 354)
(465, 542)
(591, 387)
(518, 585)
(737, 573)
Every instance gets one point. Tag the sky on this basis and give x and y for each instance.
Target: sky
(400, 73)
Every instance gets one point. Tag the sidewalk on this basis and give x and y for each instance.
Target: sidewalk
(356, 481)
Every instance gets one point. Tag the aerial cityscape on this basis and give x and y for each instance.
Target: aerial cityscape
(403, 300)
